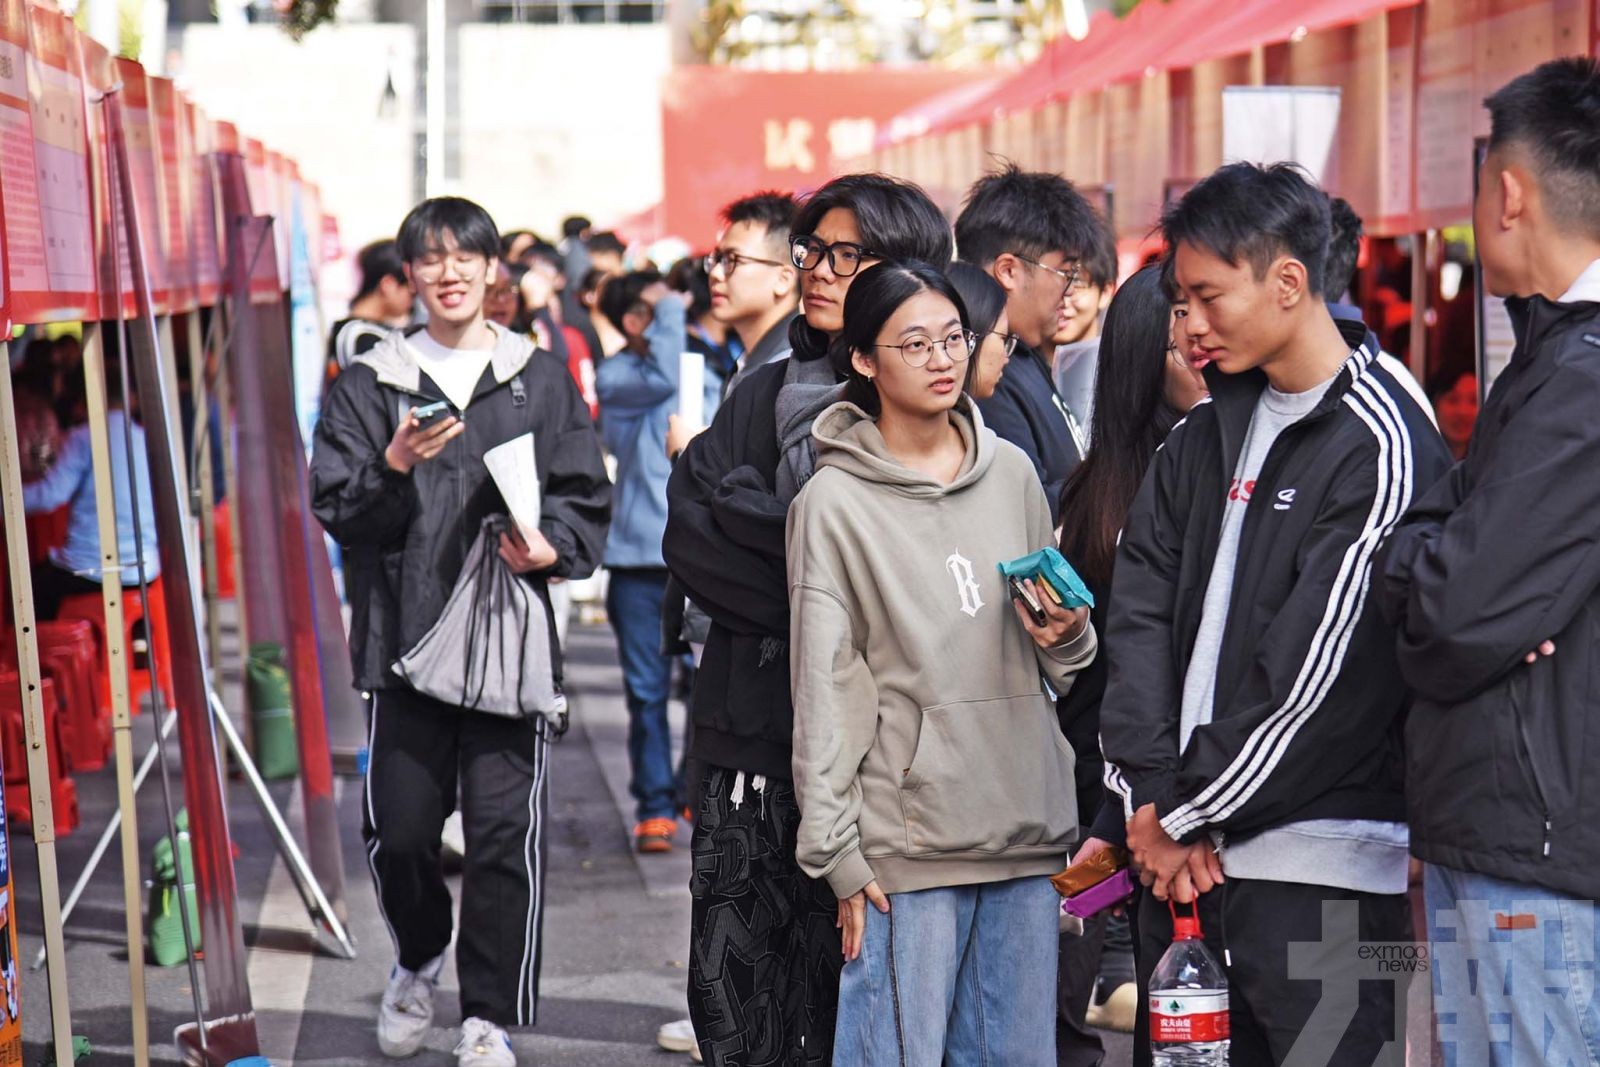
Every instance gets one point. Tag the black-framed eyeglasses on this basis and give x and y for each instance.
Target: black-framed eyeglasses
(844, 257)
(1070, 277)
(917, 349)
(1009, 340)
(729, 261)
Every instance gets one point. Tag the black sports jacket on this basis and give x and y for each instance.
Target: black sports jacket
(405, 536)
(1309, 700)
(1503, 758)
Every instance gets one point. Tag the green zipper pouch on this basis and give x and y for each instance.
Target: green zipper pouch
(1051, 566)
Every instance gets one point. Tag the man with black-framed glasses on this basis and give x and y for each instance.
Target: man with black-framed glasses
(754, 286)
(1030, 232)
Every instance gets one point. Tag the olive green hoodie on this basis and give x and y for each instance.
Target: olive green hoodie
(926, 752)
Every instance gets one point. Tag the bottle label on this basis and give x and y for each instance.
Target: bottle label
(1178, 1016)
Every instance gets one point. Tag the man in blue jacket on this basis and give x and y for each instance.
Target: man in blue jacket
(638, 391)
(1031, 231)
(1493, 580)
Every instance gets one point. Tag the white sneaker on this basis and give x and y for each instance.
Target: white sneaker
(483, 1044)
(406, 1015)
(677, 1037)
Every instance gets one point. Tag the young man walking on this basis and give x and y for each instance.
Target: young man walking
(1253, 715)
(1031, 231)
(405, 497)
(381, 305)
(638, 390)
(1494, 582)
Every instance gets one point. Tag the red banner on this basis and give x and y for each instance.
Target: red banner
(729, 133)
(44, 174)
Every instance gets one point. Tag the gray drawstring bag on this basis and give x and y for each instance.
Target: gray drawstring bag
(490, 649)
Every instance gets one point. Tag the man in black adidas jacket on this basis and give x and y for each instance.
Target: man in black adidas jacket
(1494, 581)
(1252, 718)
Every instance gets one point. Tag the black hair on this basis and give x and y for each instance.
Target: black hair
(1247, 212)
(510, 237)
(984, 300)
(1131, 419)
(895, 219)
(1344, 247)
(622, 294)
(1447, 379)
(1027, 213)
(593, 279)
(377, 261)
(424, 228)
(549, 253)
(606, 241)
(872, 299)
(772, 211)
(574, 225)
(1100, 258)
(1552, 113)
(689, 276)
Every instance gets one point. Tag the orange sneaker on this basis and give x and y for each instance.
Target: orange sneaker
(654, 835)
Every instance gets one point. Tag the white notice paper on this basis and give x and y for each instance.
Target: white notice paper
(512, 467)
(692, 389)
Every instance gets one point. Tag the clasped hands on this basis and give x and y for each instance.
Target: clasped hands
(1171, 870)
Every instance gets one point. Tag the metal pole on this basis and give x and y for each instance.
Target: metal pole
(121, 720)
(434, 173)
(310, 891)
(118, 172)
(33, 720)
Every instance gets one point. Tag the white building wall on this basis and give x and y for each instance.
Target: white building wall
(561, 120)
(320, 102)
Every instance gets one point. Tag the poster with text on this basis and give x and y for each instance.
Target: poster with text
(44, 173)
(205, 245)
(139, 129)
(113, 277)
(172, 155)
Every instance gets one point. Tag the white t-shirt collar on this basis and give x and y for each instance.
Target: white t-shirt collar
(1586, 289)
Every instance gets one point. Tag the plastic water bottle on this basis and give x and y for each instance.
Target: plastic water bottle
(1188, 1001)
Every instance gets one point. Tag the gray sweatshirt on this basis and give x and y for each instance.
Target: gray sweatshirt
(926, 752)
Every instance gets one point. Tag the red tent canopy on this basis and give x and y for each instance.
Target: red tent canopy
(1156, 35)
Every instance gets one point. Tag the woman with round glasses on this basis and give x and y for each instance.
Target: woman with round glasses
(935, 789)
(764, 948)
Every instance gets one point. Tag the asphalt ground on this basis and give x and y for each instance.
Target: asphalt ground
(616, 928)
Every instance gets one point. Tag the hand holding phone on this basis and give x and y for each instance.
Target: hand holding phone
(416, 440)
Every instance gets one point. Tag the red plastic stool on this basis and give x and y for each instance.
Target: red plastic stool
(70, 654)
(14, 751)
(91, 607)
(222, 528)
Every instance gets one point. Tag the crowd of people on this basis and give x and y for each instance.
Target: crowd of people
(1328, 629)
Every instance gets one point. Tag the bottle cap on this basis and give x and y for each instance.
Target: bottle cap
(1185, 927)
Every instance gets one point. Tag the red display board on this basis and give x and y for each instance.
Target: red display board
(10, 980)
(727, 133)
(177, 173)
(204, 234)
(44, 171)
(150, 201)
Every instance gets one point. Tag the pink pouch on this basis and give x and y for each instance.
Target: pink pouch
(1098, 898)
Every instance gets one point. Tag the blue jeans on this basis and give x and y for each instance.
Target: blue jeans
(1513, 972)
(958, 976)
(634, 601)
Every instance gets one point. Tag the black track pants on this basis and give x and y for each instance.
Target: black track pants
(419, 752)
